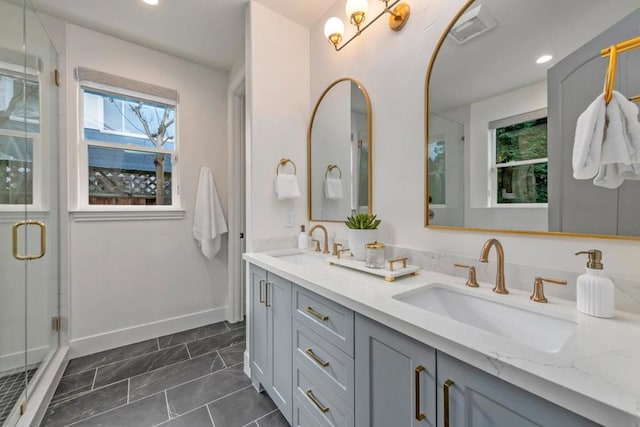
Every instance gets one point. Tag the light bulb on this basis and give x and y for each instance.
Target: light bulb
(543, 59)
(356, 11)
(333, 26)
(151, 2)
(333, 30)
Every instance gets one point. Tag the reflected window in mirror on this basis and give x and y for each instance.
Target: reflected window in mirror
(437, 174)
(519, 167)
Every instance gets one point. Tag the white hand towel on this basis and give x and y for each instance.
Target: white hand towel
(286, 187)
(587, 145)
(208, 220)
(620, 158)
(333, 188)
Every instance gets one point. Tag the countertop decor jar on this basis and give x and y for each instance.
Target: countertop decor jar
(374, 255)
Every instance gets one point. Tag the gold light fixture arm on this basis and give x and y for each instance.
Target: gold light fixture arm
(398, 19)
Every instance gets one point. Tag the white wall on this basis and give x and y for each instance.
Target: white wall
(132, 280)
(392, 67)
(278, 108)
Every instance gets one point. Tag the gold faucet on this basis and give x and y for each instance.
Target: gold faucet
(325, 246)
(484, 257)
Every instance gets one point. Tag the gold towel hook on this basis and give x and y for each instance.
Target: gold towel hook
(330, 168)
(610, 78)
(283, 162)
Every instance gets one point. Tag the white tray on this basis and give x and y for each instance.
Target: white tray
(389, 275)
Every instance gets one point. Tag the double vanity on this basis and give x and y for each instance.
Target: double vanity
(336, 347)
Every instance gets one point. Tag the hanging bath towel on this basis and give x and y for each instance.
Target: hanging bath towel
(208, 220)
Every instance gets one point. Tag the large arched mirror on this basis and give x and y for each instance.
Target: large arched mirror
(339, 152)
(503, 91)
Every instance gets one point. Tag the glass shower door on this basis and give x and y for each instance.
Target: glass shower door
(29, 290)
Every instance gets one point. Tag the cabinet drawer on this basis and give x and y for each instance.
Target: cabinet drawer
(302, 417)
(322, 405)
(327, 363)
(331, 321)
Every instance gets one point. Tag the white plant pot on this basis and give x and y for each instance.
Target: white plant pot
(358, 239)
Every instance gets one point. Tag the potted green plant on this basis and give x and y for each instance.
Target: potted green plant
(362, 228)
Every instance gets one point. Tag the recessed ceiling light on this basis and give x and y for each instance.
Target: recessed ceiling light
(543, 59)
(151, 2)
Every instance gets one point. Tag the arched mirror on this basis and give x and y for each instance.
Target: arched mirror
(503, 92)
(339, 152)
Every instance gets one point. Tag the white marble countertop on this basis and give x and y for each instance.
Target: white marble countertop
(595, 374)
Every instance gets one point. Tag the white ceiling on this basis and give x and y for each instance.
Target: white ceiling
(209, 32)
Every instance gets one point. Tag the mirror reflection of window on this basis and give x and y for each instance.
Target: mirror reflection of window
(437, 173)
(519, 166)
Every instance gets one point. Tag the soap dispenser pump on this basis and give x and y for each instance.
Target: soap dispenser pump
(303, 239)
(594, 289)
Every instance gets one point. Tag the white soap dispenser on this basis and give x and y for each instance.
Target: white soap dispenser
(595, 290)
(303, 239)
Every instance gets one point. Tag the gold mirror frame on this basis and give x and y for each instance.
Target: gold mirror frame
(369, 142)
(427, 79)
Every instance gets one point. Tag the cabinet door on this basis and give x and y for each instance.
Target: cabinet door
(478, 399)
(280, 347)
(259, 328)
(395, 378)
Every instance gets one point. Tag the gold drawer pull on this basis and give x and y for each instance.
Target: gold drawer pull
(262, 282)
(393, 261)
(43, 240)
(314, 313)
(316, 358)
(315, 401)
(419, 414)
(445, 388)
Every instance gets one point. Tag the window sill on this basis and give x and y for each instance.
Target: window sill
(126, 215)
(12, 216)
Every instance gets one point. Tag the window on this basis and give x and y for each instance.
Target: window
(129, 140)
(19, 137)
(520, 160)
(436, 170)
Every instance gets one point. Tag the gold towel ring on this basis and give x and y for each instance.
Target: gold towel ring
(330, 168)
(610, 78)
(284, 162)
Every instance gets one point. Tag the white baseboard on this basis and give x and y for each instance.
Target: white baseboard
(112, 339)
(16, 360)
(247, 364)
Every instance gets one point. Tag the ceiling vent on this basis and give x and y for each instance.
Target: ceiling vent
(472, 23)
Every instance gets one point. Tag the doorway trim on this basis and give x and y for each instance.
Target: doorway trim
(236, 161)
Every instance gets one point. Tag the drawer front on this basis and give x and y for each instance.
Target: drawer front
(323, 405)
(326, 362)
(331, 321)
(302, 417)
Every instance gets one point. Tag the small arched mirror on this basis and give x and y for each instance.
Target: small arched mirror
(339, 152)
(504, 89)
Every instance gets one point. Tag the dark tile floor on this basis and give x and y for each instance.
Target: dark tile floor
(193, 378)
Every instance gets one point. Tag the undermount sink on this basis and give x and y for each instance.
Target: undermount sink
(530, 328)
(300, 258)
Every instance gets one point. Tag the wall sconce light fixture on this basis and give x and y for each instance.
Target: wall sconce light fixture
(356, 12)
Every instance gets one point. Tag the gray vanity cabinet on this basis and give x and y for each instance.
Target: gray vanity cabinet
(470, 397)
(271, 336)
(395, 378)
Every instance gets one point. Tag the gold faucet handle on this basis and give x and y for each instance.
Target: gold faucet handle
(472, 282)
(343, 250)
(335, 249)
(317, 242)
(538, 288)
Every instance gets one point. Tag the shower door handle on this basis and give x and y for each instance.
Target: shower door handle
(43, 240)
